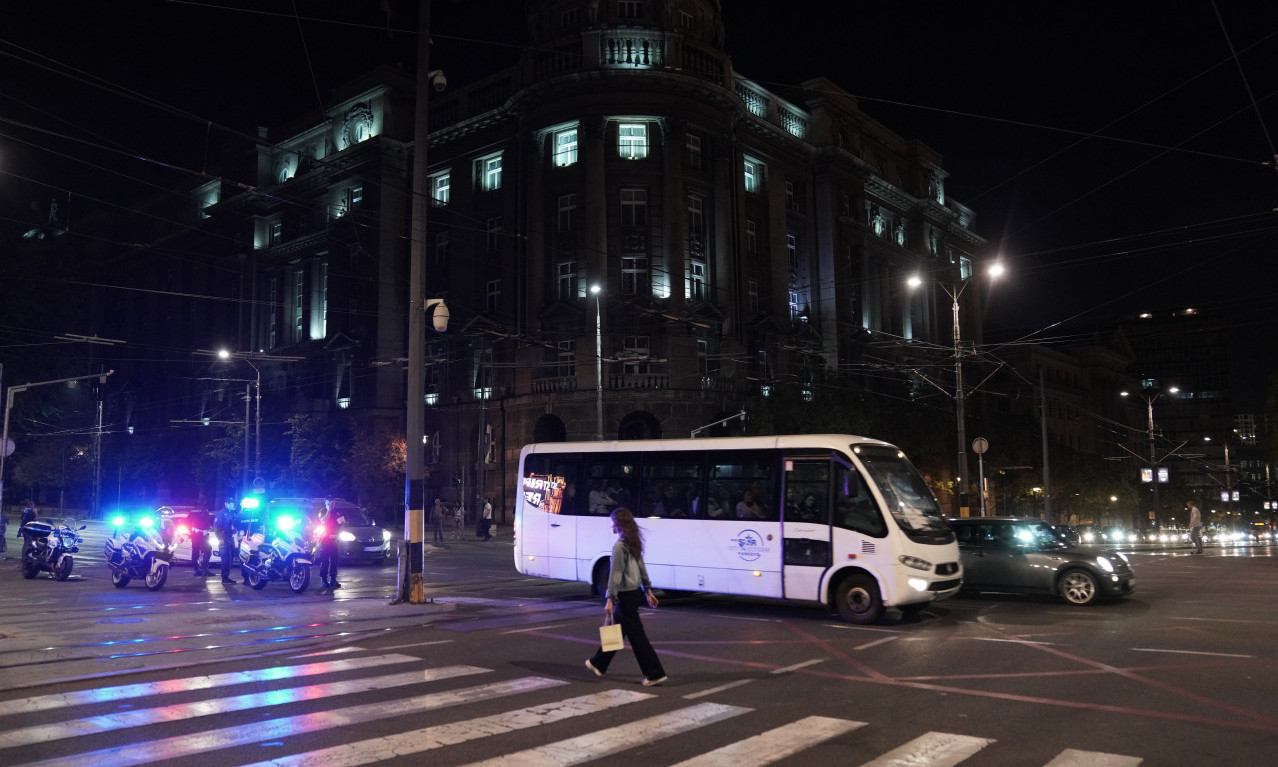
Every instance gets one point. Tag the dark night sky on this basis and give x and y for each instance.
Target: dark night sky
(1114, 152)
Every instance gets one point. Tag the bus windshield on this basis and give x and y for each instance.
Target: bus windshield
(907, 495)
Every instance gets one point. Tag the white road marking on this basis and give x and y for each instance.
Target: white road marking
(334, 651)
(614, 740)
(798, 666)
(934, 749)
(272, 729)
(130, 692)
(120, 720)
(416, 644)
(1190, 652)
(428, 738)
(868, 645)
(1074, 758)
(720, 688)
(776, 744)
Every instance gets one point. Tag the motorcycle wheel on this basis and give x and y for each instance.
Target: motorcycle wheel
(30, 569)
(62, 570)
(156, 579)
(300, 578)
(119, 579)
(257, 579)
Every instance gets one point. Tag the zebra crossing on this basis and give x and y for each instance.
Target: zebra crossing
(155, 720)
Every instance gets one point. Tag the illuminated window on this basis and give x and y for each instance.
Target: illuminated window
(632, 140)
(753, 172)
(566, 147)
(440, 187)
(488, 169)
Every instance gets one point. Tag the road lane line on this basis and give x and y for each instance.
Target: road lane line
(720, 688)
(776, 744)
(1074, 758)
(129, 692)
(403, 744)
(1191, 652)
(868, 645)
(614, 740)
(933, 749)
(120, 720)
(416, 644)
(798, 666)
(181, 746)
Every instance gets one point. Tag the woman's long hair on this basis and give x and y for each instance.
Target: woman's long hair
(630, 532)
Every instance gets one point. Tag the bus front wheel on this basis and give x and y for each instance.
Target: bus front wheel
(599, 578)
(858, 601)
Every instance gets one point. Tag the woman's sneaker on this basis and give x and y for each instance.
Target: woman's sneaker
(650, 682)
(591, 666)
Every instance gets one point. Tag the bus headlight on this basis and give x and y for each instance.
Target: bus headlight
(915, 563)
(918, 584)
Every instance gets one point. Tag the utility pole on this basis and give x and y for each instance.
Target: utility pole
(412, 548)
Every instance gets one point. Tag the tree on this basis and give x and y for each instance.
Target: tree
(319, 455)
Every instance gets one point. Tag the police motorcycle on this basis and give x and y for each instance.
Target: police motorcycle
(49, 549)
(286, 556)
(138, 551)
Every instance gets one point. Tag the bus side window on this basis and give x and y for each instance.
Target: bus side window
(854, 506)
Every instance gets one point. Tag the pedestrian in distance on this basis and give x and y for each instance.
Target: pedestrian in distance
(1195, 526)
(487, 529)
(628, 587)
(227, 524)
(437, 513)
(4, 533)
(331, 520)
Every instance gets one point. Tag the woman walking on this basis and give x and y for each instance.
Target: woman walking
(628, 585)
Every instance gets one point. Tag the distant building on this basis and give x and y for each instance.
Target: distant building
(740, 235)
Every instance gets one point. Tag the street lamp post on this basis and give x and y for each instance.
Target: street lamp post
(597, 292)
(1149, 431)
(960, 464)
(223, 354)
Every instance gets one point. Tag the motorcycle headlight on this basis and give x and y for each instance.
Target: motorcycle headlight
(346, 536)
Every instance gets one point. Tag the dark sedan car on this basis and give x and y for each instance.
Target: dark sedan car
(1025, 556)
(360, 539)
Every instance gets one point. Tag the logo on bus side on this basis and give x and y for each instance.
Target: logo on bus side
(749, 545)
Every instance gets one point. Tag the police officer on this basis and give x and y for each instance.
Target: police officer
(332, 520)
(226, 524)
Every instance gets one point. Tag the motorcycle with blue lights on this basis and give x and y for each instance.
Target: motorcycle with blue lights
(48, 549)
(137, 549)
(276, 550)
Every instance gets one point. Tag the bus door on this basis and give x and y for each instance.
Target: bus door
(805, 526)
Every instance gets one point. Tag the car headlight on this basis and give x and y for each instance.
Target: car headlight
(915, 562)
(386, 536)
(1089, 537)
(1105, 564)
(346, 536)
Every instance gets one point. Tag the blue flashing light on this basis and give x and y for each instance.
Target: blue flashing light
(117, 520)
(285, 522)
(147, 522)
(249, 502)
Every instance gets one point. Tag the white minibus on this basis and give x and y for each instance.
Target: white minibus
(843, 520)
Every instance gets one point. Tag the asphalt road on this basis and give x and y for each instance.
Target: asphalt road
(492, 668)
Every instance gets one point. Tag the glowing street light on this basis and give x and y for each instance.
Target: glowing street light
(597, 291)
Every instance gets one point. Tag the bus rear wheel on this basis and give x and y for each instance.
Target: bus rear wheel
(599, 578)
(858, 600)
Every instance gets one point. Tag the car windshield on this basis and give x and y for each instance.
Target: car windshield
(908, 498)
(355, 517)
